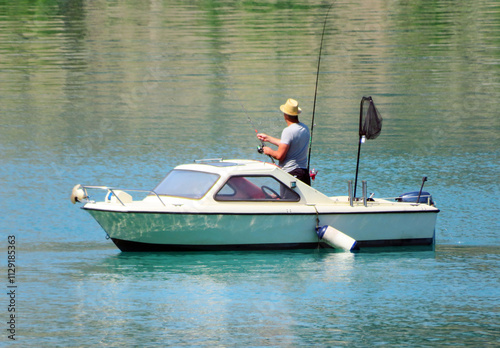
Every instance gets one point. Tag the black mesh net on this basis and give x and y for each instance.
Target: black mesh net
(370, 123)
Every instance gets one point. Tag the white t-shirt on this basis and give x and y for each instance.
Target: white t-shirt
(296, 136)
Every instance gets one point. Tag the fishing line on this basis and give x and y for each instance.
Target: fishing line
(316, 89)
(246, 113)
(259, 149)
(254, 128)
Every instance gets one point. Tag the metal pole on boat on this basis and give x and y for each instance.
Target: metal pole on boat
(316, 89)
(349, 188)
(424, 179)
(364, 193)
(361, 141)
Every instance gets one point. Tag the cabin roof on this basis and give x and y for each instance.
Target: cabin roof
(232, 166)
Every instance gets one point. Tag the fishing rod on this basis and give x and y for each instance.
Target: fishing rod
(259, 148)
(254, 128)
(316, 89)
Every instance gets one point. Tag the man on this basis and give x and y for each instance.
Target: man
(293, 145)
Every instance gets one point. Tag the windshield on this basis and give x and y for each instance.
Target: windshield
(186, 183)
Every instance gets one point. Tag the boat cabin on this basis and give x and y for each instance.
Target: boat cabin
(231, 181)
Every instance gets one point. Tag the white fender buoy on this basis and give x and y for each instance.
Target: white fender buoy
(77, 194)
(336, 238)
(118, 196)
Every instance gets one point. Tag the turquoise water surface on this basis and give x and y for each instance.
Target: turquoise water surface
(118, 93)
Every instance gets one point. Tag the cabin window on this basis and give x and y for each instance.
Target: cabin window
(256, 188)
(186, 183)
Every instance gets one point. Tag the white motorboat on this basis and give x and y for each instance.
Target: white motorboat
(251, 205)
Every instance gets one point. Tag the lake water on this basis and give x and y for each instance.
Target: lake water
(118, 92)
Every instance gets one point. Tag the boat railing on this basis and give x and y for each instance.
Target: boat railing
(208, 160)
(397, 200)
(114, 189)
(422, 198)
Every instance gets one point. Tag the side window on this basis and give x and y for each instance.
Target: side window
(256, 188)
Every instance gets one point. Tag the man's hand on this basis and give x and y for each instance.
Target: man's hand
(263, 137)
(268, 139)
(278, 154)
(267, 150)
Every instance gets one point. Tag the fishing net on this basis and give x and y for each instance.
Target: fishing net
(370, 121)
(370, 126)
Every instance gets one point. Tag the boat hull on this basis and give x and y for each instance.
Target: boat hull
(163, 231)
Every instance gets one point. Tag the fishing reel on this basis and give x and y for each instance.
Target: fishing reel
(260, 149)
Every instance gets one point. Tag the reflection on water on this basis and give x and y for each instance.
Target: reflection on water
(139, 77)
(264, 298)
(117, 93)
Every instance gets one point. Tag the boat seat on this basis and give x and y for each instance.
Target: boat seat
(244, 189)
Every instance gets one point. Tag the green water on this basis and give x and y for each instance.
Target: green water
(118, 92)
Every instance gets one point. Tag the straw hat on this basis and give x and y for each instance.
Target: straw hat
(291, 107)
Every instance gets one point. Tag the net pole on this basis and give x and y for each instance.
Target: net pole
(357, 168)
(359, 144)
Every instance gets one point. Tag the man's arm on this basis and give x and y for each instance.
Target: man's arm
(268, 139)
(279, 154)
